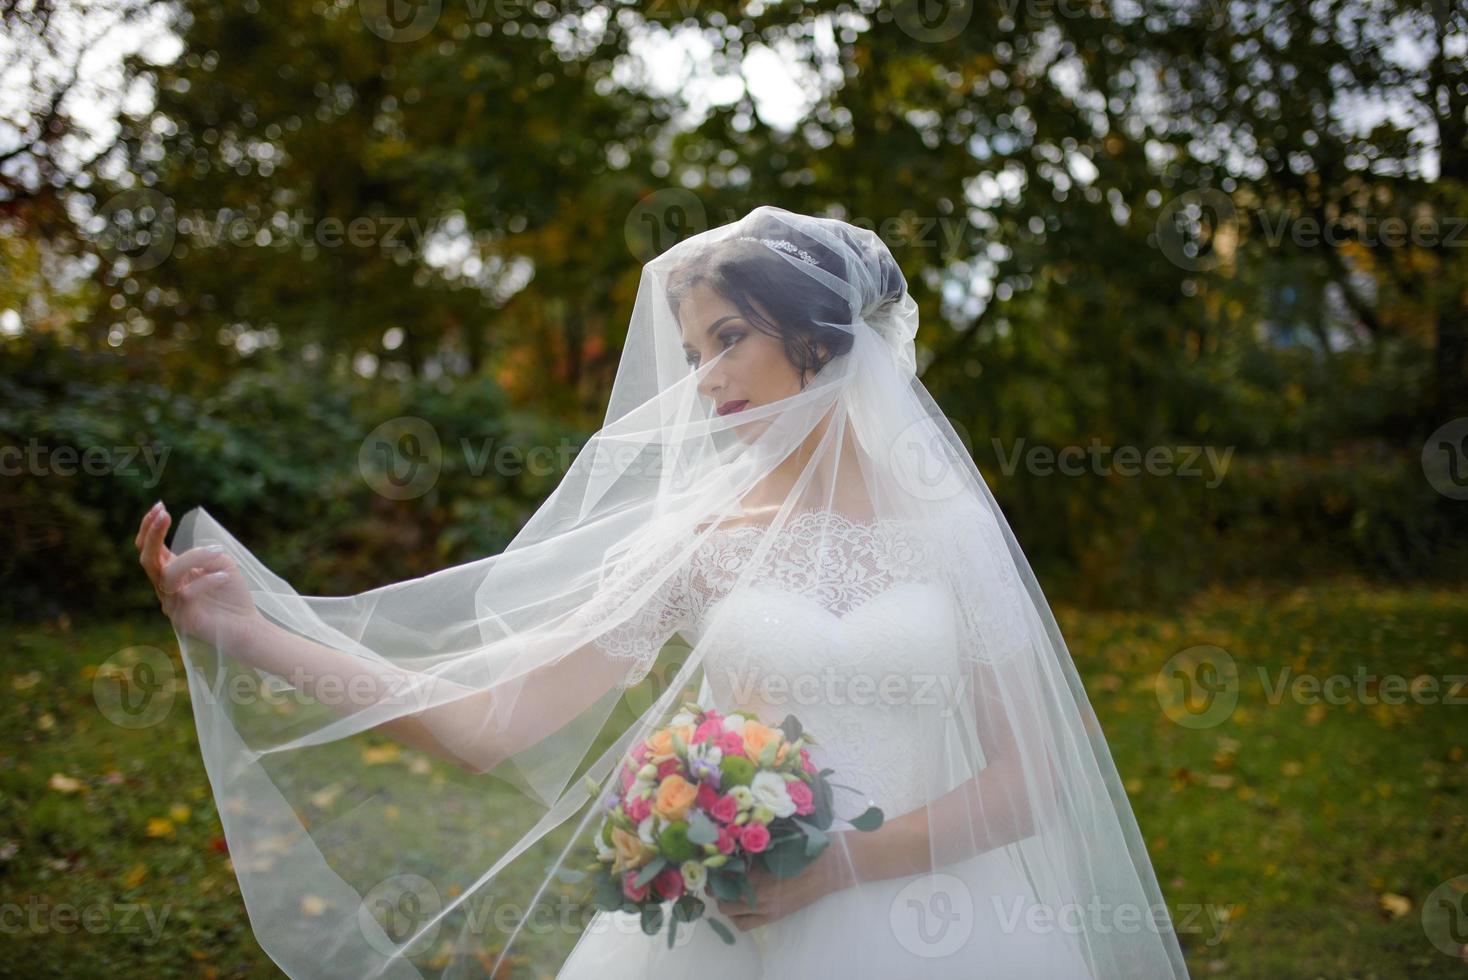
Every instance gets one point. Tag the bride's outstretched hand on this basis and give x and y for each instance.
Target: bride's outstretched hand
(202, 590)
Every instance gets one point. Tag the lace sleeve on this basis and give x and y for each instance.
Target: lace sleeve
(641, 600)
(992, 601)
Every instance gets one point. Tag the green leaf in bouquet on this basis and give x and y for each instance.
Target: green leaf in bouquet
(869, 819)
(816, 838)
(722, 930)
(788, 857)
(701, 830)
(725, 885)
(791, 727)
(679, 746)
(649, 871)
(687, 908)
(821, 797)
(592, 789)
(608, 893)
(672, 931)
(652, 919)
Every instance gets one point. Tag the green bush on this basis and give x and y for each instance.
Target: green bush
(272, 454)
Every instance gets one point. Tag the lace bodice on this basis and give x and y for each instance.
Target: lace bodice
(860, 629)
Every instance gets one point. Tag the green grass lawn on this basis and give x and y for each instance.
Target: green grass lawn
(1291, 839)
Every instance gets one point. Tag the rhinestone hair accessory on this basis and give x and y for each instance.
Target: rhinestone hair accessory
(784, 246)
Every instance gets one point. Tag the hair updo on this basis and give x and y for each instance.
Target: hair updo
(744, 270)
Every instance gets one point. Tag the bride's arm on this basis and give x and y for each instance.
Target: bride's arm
(476, 728)
(993, 808)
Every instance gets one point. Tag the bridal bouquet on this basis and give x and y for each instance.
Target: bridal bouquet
(701, 802)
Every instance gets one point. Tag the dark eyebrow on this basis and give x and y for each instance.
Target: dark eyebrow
(714, 326)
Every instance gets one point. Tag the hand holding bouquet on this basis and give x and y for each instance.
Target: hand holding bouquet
(700, 803)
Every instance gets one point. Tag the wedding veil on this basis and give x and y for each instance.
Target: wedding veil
(435, 748)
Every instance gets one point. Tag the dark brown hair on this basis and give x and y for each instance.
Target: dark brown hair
(803, 314)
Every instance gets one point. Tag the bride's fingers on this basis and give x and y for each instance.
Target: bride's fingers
(191, 565)
(143, 526)
(154, 555)
(202, 583)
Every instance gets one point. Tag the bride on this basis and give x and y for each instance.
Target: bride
(775, 487)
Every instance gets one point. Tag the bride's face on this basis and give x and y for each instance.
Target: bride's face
(745, 366)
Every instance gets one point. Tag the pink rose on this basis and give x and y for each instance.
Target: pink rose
(628, 778)
(755, 838)
(669, 882)
(710, 728)
(706, 797)
(668, 767)
(638, 809)
(801, 796)
(732, 743)
(631, 889)
(724, 810)
(805, 761)
(728, 839)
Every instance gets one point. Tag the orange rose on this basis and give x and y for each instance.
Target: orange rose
(631, 851)
(757, 736)
(660, 745)
(674, 796)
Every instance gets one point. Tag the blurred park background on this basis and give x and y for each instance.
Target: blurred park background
(1194, 287)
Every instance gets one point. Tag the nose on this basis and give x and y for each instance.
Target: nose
(711, 383)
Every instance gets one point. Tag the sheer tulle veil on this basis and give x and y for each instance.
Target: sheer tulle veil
(447, 746)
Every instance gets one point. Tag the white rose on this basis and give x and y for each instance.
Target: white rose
(734, 723)
(648, 829)
(769, 791)
(680, 719)
(743, 798)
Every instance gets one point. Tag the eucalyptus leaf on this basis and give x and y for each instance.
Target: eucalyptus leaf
(701, 830)
(650, 871)
(722, 930)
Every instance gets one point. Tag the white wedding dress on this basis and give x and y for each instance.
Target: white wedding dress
(797, 628)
